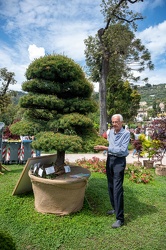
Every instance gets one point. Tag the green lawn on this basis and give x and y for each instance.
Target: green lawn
(89, 229)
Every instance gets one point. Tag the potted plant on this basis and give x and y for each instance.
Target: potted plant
(159, 132)
(149, 148)
(137, 144)
(57, 104)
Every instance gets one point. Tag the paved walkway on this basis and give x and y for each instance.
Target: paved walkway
(129, 159)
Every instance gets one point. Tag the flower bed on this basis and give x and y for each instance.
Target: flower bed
(139, 174)
(95, 164)
(136, 174)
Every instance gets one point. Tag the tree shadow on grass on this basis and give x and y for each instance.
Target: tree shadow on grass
(96, 196)
(28, 194)
(8, 169)
(97, 200)
(134, 208)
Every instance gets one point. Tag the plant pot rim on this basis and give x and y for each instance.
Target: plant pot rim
(160, 165)
(150, 161)
(64, 179)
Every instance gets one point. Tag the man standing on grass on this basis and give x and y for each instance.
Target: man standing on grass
(119, 139)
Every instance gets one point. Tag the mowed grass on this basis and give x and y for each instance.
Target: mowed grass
(89, 229)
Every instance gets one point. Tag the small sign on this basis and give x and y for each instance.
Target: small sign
(40, 173)
(50, 170)
(67, 169)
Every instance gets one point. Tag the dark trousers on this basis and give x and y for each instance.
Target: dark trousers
(115, 167)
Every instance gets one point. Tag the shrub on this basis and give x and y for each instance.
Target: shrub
(94, 164)
(149, 146)
(130, 146)
(139, 174)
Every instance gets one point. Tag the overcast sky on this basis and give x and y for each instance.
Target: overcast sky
(32, 28)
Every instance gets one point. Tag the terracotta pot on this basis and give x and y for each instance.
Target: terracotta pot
(137, 164)
(62, 195)
(148, 163)
(160, 170)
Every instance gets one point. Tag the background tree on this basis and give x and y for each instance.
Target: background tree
(57, 105)
(151, 113)
(122, 99)
(115, 42)
(6, 79)
(156, 107)
(10, 114)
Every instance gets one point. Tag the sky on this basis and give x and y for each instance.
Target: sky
(32, 28)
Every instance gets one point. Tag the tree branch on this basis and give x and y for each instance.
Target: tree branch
(128, 21)
(6, 86)
(134, 1)
(120, 18)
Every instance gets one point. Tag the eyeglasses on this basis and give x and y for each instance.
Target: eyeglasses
(115, 122)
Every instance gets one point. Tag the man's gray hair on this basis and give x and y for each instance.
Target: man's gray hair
(120, 117)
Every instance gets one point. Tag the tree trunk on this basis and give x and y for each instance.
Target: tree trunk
(102, 85)
(102, 99)
(60, 158)
(106, 55)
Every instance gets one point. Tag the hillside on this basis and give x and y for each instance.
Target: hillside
(18, 94)
(151, 93)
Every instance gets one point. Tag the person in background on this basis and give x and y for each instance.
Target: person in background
(119, 139)
(147, 133)
(137, 133)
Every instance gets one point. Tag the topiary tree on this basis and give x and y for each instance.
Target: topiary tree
(57, 107)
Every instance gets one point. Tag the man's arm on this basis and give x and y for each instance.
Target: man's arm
(100, 147)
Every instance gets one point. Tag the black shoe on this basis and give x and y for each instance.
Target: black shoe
(117, 224)
(110, 212)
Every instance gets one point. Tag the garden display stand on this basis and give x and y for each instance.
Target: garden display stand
(2, 167)
(24, 184)
(63, 195)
